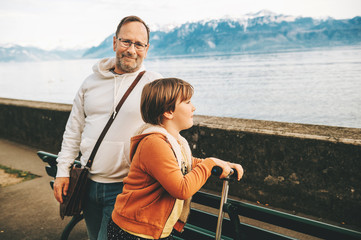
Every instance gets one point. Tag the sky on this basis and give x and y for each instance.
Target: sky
(71, 24)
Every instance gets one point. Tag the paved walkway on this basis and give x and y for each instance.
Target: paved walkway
(28, 210)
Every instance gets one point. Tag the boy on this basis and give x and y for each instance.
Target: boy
(163, 175)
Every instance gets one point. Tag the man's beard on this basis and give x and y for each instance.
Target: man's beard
(126, 66)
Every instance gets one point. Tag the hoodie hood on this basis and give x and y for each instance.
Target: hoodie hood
(103, 67)
(176, 145)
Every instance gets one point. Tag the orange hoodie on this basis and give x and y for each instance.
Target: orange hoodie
(153, 184)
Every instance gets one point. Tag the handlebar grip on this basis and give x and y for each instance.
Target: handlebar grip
(217, 171)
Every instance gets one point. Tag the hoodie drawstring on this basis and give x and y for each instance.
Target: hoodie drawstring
(115, 94)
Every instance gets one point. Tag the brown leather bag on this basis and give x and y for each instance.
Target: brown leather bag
(73, 202)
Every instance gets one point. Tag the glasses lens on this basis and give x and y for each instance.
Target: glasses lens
(139, 46)
(127, 43)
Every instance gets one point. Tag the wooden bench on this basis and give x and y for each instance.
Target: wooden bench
(51, 170)
(202, 224)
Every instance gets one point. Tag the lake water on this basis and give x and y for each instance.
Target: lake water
(319, 86)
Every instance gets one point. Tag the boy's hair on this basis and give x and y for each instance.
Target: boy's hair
(160, 96)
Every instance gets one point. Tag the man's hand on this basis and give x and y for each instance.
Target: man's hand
(61, 185)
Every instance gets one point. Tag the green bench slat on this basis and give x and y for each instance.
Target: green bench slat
(48, 158)
(208, 222)
(192, 232)
(197, 217)
(293, 222)
(198, 228)
(51, 170)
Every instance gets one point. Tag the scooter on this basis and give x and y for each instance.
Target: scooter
(217, 171)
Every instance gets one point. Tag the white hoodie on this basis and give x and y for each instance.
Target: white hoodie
(92, 107)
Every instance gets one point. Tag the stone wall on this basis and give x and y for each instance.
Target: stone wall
(307, 169)
(36, 124)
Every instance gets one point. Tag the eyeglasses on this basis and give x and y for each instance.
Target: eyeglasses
(137, 45)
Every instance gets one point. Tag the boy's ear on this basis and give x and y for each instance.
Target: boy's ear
(168, 115)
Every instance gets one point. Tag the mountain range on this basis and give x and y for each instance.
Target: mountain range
(261, 32)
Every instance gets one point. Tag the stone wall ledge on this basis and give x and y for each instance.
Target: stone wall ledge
(308, 131)
(297, 130)
(36, 104)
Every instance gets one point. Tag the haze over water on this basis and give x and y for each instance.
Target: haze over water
(319, 86)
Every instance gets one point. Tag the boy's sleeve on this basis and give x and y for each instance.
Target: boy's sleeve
(159, 161)
(196, 161)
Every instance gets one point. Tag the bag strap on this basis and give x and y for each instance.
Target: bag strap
(111, 119)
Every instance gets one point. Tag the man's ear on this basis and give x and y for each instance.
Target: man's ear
(168, 115)
(114, 44)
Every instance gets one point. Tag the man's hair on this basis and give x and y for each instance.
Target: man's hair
(132, 19)
(160, 96)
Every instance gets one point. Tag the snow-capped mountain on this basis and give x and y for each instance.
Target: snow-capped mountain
(21, 54)
(254, 32)
(262, 31)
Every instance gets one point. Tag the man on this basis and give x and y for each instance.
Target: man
(94, 103)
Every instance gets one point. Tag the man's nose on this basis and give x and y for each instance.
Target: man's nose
(131, 49)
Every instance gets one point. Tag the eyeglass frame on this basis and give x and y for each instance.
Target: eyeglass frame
(136, 44)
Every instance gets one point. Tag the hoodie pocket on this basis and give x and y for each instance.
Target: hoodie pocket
(110, 160)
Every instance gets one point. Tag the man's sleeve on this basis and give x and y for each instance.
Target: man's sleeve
(72, 136)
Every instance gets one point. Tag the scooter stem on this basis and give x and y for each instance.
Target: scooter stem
(221, 213)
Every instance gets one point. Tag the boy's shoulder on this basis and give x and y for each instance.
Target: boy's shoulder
(155, 142)
(154, 137)
(148, 138)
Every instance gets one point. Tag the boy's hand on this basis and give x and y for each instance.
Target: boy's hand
(238, 168)
(225, 167)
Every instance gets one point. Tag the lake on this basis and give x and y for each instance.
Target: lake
(318, 86)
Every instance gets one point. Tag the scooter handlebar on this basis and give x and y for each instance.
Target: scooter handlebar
(217, 171)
